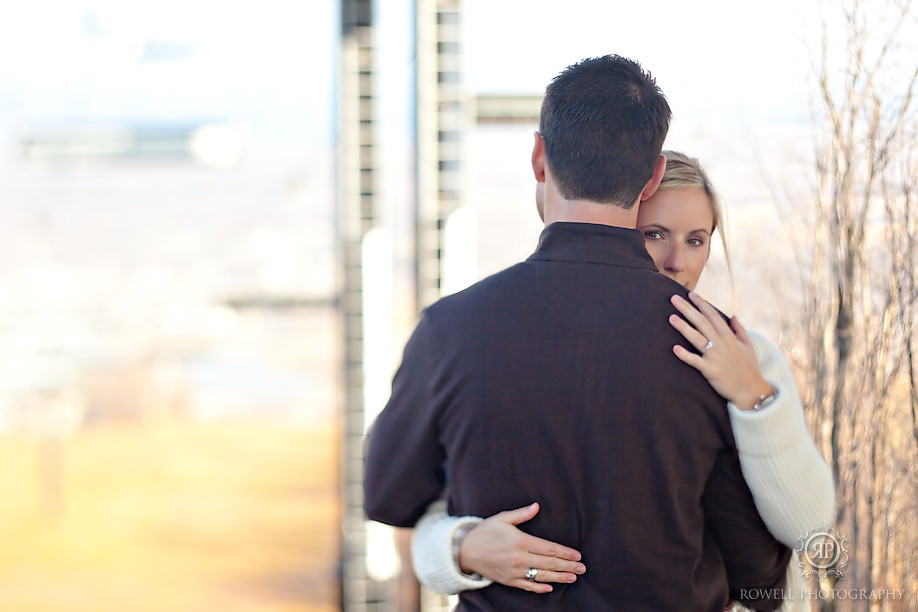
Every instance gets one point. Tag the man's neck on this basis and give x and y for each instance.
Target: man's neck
(584, 211)
(558, 208)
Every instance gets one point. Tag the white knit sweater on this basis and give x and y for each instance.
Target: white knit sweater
(790, 482)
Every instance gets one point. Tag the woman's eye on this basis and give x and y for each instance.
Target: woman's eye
(653, 235)
(696, 241)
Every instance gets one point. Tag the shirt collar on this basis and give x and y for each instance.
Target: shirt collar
(593, 243)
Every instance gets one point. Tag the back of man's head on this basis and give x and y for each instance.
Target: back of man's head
(604, 121)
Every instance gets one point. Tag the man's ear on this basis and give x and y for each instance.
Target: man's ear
(538, 158)
(650, 187)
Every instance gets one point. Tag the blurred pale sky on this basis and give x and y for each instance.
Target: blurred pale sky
(717, 60)
(708, 56)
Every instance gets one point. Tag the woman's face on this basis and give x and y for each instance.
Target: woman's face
(677, 226)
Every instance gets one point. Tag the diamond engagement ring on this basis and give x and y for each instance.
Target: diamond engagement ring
(531, 573)
(706, 347)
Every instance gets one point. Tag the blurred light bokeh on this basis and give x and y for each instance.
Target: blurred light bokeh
(168, 337)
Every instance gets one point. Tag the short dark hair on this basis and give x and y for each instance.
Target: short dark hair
(604, 121)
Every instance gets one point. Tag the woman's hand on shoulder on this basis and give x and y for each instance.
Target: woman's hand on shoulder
(498, 550)
(727, 358)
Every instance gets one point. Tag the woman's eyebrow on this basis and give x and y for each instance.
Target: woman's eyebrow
(659, 226)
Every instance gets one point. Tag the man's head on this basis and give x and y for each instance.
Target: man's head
(603, 124)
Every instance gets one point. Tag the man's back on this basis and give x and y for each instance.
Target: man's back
(554, 381)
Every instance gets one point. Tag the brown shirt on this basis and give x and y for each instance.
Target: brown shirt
(554, 381)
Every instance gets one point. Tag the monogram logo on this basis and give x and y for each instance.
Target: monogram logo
(823, 553)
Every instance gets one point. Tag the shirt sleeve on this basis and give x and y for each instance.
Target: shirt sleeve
(432, 552)
(795, 590)
(755, 563)
(403, 470)
(790, 481)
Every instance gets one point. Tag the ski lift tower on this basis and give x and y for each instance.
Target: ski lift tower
(442, 121)
(444, 257)
(361, 591)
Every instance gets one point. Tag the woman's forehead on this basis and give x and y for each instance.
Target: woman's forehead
(682, 205)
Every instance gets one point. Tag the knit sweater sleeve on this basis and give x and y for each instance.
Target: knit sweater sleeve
(432, 551)
(791, 484)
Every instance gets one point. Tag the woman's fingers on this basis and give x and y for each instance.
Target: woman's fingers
(709, 312)
(518, 515)
(534, 545)
(552, 562)
(556, 564)
(531, 585)
(544, 575)
(702, 328)
(552, 550)
(497, 549)
(699, 321)
(548, 570)
(694, 337)
(740, 331)
(693, 359)
(706, 321)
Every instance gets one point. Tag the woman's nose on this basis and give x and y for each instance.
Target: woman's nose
(674, 261)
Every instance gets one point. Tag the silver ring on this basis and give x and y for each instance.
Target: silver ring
(531, 574)
(706, 347)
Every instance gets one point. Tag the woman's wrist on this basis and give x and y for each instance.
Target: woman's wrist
(458, 537)
(756, 396)
(765, 400)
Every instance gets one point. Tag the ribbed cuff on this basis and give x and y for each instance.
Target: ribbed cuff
(432, 555)
(772, 430)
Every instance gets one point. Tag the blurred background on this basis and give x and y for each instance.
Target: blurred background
(168, 340)
(220, 219)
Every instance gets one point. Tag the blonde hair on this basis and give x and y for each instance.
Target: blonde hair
(684, 172)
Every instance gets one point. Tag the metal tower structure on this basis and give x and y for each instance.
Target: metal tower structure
(442, 122)
(357, 216)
